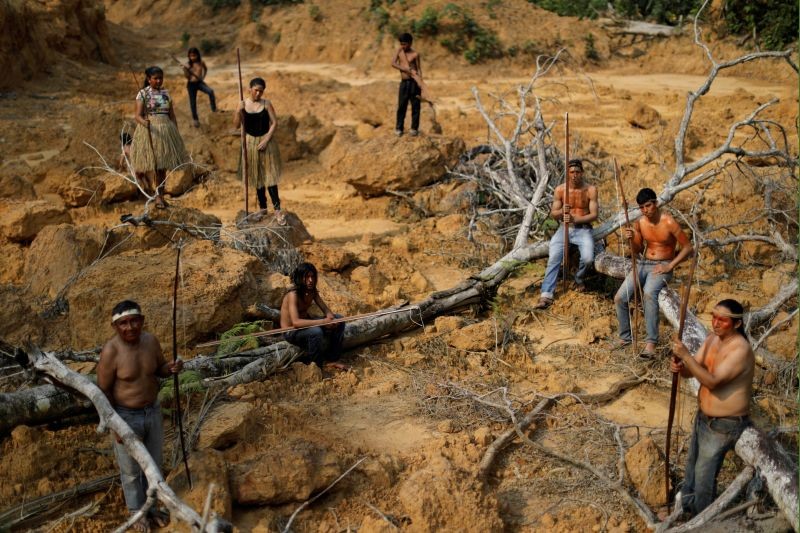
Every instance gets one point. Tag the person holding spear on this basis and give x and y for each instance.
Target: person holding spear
(578, 211)
(295, 314)
(263, 164)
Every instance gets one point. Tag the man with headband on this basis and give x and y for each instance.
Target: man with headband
(130, 363)
(578, 211)
(724, 365)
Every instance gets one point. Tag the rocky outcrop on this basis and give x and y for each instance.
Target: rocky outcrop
(22, 221)
(16, 187)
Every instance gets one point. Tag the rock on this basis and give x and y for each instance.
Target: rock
(79, 190)
(384, 162)
(269, 233)
(218, 283)
(446, 324)
(475, 337)
(24, 220)
(16, 187)
(116, 189)
(227, 424)
(454, 224)
(289, 472)
(13, 263)
(206, 467)
(144, 238)
(286, 135)
(645, 464)
(369, 279)
(643, 116)
(58, 253)
(306, 374)
(18, 322)
(179, 181)
(314, 134)
(328, 258)
(342, 141)
(440, 498)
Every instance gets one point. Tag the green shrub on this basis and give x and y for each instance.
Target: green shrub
(219, 4)
(314, 12)
(185, 39)
(209, 46)
(428, 24)
(775, 22)
(590, 52)
(244, 330)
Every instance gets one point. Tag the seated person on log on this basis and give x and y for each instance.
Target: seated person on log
(312, 332)
(724, 365)
(130, 363)
(578, 211)
(658, 235)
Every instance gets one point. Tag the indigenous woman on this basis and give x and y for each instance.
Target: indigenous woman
(263, 158)
(157, 146)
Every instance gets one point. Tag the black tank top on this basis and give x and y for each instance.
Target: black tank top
(256, 124)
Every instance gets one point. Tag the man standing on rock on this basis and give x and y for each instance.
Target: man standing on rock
(658, 234)
(724, 365)
(408, 62)
(127, 373)
(578, 211)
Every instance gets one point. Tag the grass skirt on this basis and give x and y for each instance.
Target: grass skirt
(170, 152)
(264, 167)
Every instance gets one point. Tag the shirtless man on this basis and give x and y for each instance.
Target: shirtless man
(408, 62)
(127, 373)
(658, 235)
(724, 366)
(294, 314)
(195, 72)
(579, 212)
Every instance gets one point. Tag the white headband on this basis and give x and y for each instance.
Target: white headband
(127, 312)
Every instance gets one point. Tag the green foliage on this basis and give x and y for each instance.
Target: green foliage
(775, 22)
(243, 329)
(428, 25)
(573, 8)
(209, 46)
(490, 5)
(188, 381)
(589, 51)
(314, 12)
(219, 4)
(185, 39)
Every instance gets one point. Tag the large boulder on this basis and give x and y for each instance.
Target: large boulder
(22, 221)
(389, 162)
(80, 189)
(286, 136)
(116, 189)
(217, 285)
(18, 322)
(16, 187)
(58, 253)
(643, 116)
(179, 181)
(290, 472)
(227, 424)
(144, 237)
(645, 463)
(13, 263)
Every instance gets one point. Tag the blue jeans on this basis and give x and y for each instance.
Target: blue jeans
(579, 236)
(651, 285)
(312, 341)
(146, 423)
(711, 440)
(192, 87)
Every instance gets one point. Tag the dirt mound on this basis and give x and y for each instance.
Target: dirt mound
(34, 35)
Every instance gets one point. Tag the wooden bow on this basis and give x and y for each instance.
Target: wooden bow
(244, 137)
(635, 271)
(687, 287)
(175, 380)
(565, 208)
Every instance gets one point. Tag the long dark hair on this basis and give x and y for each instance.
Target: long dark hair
(736, 309)
(149, 72)
(299, 275)
(194, 50)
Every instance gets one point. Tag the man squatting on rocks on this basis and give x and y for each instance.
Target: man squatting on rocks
(408, 62)
(579, 211)
(724, 365)
(294, 314)
(658, 234)
(130, 363)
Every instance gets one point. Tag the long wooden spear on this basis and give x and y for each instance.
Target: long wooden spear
(687, 287)
(286, 330)
(175, 380)
(621, 192)
(244, 137)
(565, 205)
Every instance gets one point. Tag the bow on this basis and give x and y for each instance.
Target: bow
(565, 258)
(175, 359)
(635, 271)
(687, 287)
(244, 138)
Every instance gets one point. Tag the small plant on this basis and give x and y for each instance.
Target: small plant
(589, 51)
(185, 39)
(209, 46)
(314, 12)
(188, 381)
(230, 344)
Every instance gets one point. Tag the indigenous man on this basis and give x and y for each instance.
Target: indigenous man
(127, 373)
(408, 62)
(724, 366)
(579, 211)
(658, 235)
(294, 314)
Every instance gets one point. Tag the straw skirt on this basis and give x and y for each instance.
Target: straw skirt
(264, 167)
(168, 147)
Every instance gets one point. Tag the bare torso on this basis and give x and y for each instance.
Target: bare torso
(409, 60)
(661, 236)
(731, 398)
(197, 71)
(578, 198)
(302, 304)
(127, 372)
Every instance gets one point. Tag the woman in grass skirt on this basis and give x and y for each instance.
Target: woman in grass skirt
(264, 165)
(157, 146)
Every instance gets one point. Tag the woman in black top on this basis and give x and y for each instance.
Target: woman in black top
(263, 158)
